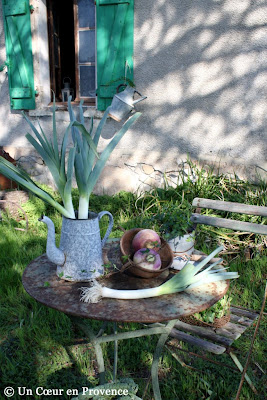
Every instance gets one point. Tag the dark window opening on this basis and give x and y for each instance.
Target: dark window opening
(71, 31)
(61, 44)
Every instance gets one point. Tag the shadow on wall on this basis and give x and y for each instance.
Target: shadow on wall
(203, 66)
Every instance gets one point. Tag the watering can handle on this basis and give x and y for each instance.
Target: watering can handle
(110, 225)
(118, 87)
(141, 98)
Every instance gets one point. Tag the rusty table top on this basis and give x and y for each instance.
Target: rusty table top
(41, 282)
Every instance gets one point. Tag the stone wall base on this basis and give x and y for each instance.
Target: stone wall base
(138, 176)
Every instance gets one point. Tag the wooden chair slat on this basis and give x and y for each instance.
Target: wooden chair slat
(205, 332)
(234, 331)
(204, 344)
(240, 319)
(230, 206)
(230, 330)
(244, 313)
(230, 224)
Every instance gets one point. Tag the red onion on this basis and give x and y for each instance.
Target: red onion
(147, 258)
(146, 238)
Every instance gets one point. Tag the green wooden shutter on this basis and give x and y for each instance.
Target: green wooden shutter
(115, 25)
(19, 53)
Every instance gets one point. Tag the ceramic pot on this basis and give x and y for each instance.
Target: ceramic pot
(182, 247)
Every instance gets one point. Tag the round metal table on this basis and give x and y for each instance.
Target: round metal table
(41, 282)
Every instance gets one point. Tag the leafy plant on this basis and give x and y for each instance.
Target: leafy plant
(218, 310)
(173, 220)
(82, 157)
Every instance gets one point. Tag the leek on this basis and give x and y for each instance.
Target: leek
(54, 160)
(24, 180)
(82, 158)
(189, 277)
(88, 165)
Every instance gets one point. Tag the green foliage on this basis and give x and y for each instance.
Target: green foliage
(173, 220)
(218, 310)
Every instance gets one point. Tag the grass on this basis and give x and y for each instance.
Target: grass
(41, 347)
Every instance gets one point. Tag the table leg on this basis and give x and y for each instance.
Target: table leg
(115, 365)
(100, 361)
(102, 329)
(96, 340)
(156, 359)
(98, 351)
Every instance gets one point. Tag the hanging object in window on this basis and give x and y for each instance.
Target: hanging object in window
(123, 103)
(67, 90)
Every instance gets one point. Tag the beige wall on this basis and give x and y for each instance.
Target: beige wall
(203, 66)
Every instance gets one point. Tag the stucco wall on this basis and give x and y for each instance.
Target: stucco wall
(203, 66)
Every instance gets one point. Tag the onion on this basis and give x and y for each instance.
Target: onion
(148, 259)
(146, 238)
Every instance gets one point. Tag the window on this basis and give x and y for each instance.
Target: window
(90, 45)
(71, 31)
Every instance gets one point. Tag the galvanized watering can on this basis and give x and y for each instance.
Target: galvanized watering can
(79, 256)
(123, 103)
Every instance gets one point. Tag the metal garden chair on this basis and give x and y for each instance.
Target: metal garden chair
(219, 341)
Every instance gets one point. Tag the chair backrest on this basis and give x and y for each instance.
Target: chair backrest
(229, 223)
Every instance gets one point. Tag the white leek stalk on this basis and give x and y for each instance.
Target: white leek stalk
(83, 207)
(189, 277)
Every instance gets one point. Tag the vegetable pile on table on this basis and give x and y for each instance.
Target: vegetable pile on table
(189, 277)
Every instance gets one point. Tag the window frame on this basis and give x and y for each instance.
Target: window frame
(90, 100)
(51, 47)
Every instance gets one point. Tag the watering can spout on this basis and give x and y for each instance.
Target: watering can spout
(54, 254)
(123, 103)
(141, 99)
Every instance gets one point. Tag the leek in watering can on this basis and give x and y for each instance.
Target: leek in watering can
(123, 103)
(79, 256)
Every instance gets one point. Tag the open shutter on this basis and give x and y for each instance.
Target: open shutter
(19, 53)
(115, 24)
